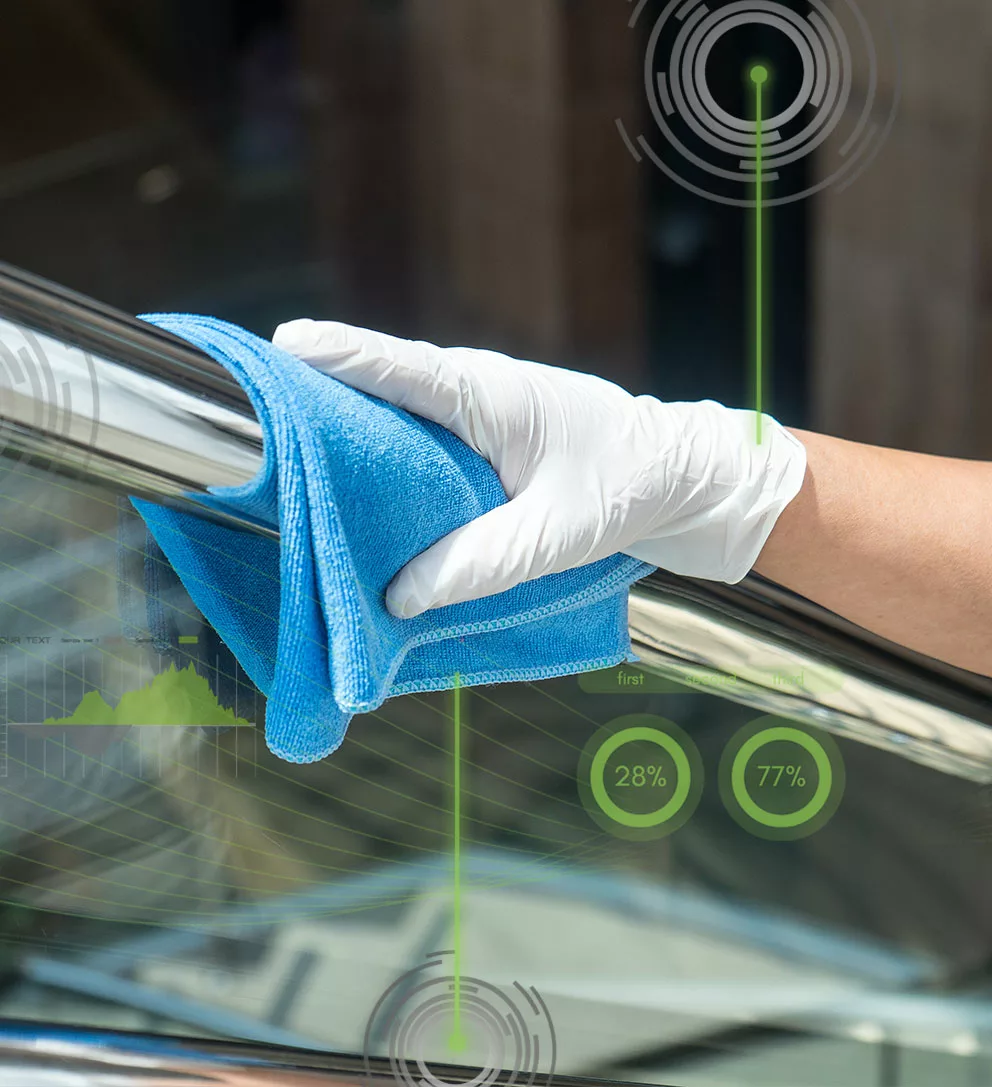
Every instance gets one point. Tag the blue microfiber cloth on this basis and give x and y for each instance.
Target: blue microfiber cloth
(357, 488)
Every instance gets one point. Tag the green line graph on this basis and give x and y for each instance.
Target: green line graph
(177, 697)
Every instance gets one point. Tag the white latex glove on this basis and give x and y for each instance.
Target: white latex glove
(589, 469)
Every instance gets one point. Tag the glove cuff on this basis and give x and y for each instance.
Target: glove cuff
(723, 491)
(782, 480)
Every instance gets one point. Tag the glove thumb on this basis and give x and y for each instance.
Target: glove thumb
(490, 554)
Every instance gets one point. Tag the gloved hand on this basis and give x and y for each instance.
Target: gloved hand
(589, 469)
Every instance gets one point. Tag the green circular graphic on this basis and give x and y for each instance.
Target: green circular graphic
(812, 807)
(666, 782)
(791, 771)
(682, 770)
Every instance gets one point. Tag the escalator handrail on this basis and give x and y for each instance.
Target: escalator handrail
(95, 394)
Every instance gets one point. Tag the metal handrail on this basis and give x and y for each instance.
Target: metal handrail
(42, 1054)
(93, 393)
(96, 394)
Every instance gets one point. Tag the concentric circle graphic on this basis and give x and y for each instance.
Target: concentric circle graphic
(508, 1033)
(837, 109)
(36, 398)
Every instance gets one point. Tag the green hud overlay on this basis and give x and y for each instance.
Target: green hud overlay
(781, 781)
(176, 697)
(628, 679)
(640, 777)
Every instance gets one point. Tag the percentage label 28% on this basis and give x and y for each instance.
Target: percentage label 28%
(637, 777)
(640, 777)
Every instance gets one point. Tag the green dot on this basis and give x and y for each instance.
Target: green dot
(457, 1042)
(759, 74)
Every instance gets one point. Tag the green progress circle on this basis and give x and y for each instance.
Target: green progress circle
(816, 803)
(598, 784)
(759, 74)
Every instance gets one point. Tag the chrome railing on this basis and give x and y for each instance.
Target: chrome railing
(93, 393)
(37, 1055)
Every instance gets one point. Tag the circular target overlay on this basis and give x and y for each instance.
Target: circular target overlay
(640, 777)
(36, 396)
(496, 1032)
(780, 781)
(817, 72)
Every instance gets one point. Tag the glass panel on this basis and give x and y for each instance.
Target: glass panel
(464, 173)
(160, 870)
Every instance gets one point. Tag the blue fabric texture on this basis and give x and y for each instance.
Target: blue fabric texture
(357, 488)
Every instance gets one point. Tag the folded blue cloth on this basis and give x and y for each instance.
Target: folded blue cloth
(357, 488)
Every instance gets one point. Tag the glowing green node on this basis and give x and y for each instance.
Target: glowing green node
(457, 1041)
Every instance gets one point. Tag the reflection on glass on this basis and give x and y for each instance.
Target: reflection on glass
(160, 870)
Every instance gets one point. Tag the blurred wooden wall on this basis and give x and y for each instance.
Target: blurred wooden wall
(354, 56)
(529, 206)
(902, 277)
(469, 154)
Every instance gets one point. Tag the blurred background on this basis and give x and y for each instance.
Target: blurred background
(452, 170)
(441, 169)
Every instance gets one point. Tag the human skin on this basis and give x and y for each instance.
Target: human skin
(899, 543)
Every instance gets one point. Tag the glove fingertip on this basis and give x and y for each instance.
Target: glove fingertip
(296, 336)
(402, 599)
(402, 607)
(317, 342)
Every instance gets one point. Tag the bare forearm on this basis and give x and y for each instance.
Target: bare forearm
(900, 543)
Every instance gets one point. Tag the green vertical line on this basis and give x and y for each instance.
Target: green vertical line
(456, 1042)
(759, 76)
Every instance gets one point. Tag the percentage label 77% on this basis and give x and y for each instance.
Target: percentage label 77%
(793, 775)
